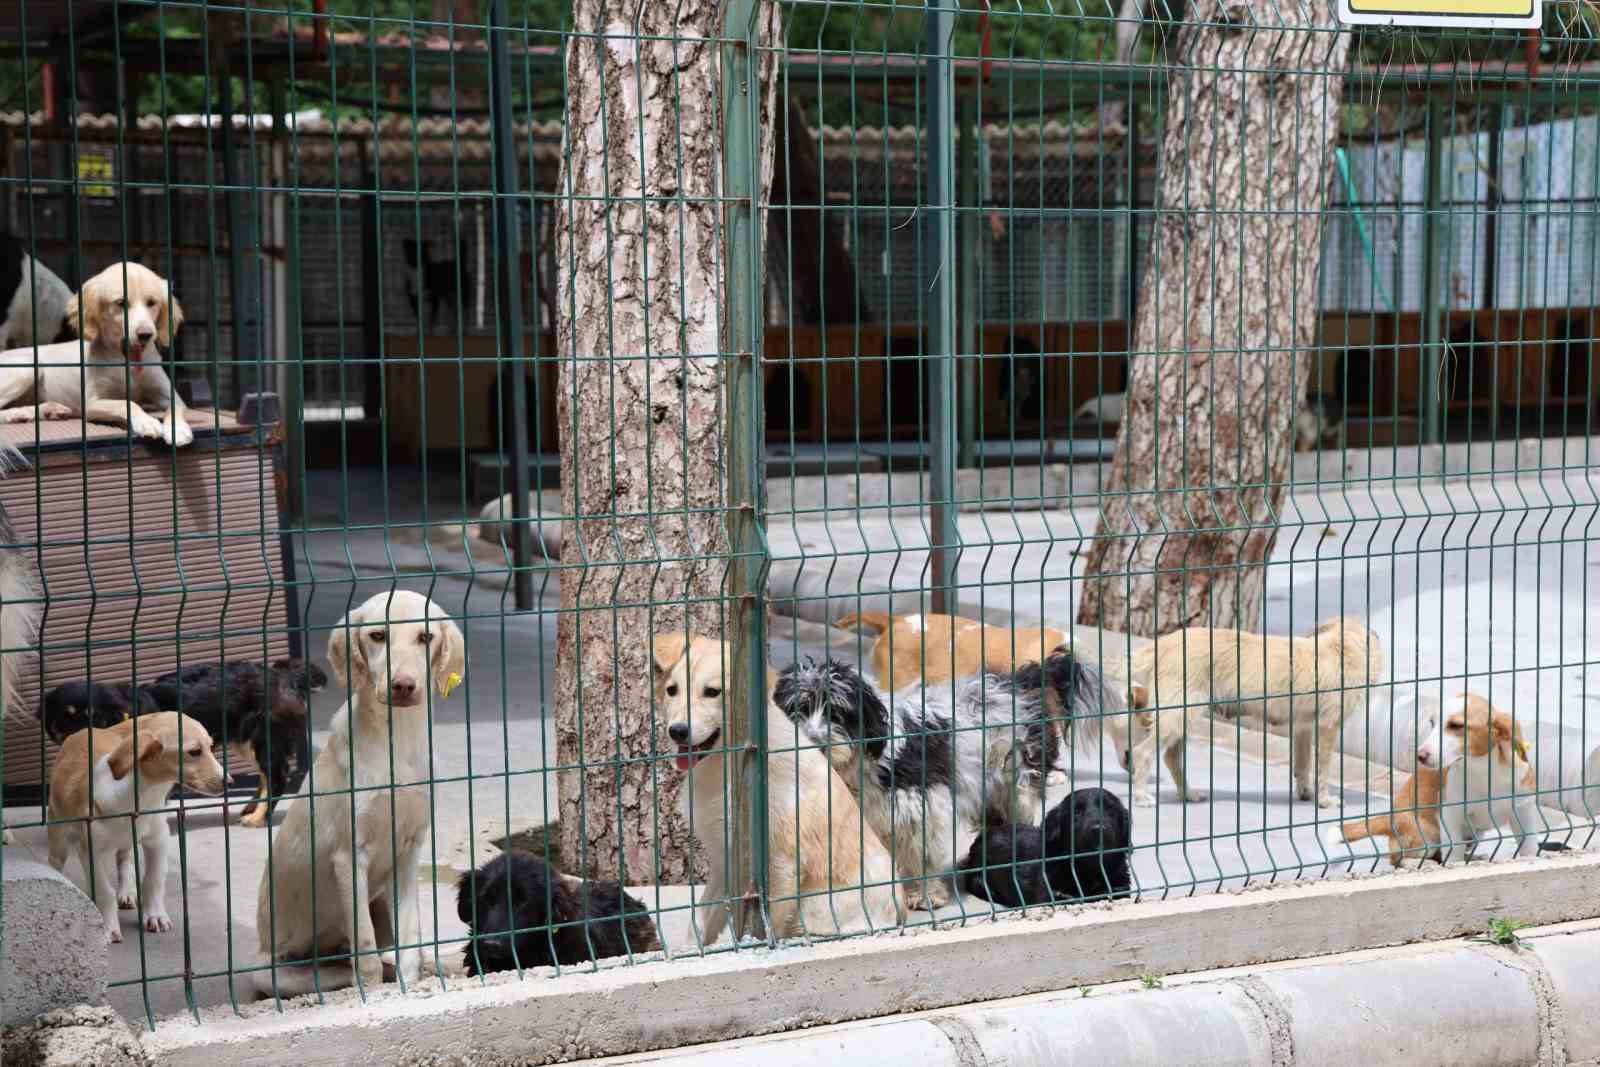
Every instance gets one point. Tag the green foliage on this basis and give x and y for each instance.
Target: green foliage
(1505, 932)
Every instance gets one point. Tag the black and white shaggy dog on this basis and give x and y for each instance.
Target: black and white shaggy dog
(948, 756)
(521, 911)
(33, 299)
(74, 706)
(1080, 853)
(262, 714)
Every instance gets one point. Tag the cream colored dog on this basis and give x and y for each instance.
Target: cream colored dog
(94, 780)
(1488, 779)
(369, 838)
(1308, 684)
(936, 648)
(122, 314)
(827, 873)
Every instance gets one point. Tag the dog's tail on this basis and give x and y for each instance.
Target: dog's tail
(1338, 837)
(877, 622)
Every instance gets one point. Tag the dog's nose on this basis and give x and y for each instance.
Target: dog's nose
(679, 732)
(404, 686)
(144, 337)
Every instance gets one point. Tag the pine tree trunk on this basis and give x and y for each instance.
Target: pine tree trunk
(1227, 314)
(641, 408)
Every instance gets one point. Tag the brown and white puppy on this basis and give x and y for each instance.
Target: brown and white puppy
(122, 314)
(936, 648)
(1412, 827)
(1488, 780)
(341, 879)
(102, 777)
(827, 873)
(1308, 684)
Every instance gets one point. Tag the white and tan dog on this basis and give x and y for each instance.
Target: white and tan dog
(342, 873)
(827, 873)
(112, 785)
(1488, 781)
(122, 315)
(1308, 684)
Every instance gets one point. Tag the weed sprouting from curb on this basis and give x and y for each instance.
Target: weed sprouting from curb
(1504, 932)
(1150, 981)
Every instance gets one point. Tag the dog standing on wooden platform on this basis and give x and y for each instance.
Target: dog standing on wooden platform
(936, 648)
(1307, 683)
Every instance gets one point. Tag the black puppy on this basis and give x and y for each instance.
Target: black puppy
(517, 899)
(74, 706)
(431, 283)
(1080, 853)
(259, 714)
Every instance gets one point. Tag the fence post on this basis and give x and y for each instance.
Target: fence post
(966, 449)
(1432, 402)
(940, 353)
(509, 296)
(743, 321)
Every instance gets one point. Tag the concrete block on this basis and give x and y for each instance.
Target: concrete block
(1191, 1026)
(52, 942)
(1572, 962)
(910, 1041)
(83, 1036)
(1461, 1005)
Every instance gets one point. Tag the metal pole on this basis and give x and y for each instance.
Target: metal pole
(1431, 402)
(1131, 237)
(966, 445)
(940, 354)
(509, 285)
(743, 329)
(238, 291)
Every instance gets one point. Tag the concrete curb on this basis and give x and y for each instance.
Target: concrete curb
(1466, 1003)
(621, 1010)
(52, 942)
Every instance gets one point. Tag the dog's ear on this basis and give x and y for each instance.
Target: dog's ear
(349, 667)
(449, 656)
(1138, 696)
(171, 319)
(83, 312)
(123, 756)
(667, 649)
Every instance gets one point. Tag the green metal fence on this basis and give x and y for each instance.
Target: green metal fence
(1089, 324)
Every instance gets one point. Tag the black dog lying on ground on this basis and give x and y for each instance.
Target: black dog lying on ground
(260, 715)
(518, 901)
(74, 706)
(1080, 853)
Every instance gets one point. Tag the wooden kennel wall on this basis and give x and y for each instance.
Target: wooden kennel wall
(141, 551)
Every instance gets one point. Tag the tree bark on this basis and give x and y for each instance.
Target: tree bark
(641, 408)
(1226, 319)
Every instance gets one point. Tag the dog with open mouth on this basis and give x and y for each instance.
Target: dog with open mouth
(826, 871)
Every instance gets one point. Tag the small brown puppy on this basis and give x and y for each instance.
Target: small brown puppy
(936, 648)
(1307, 683)
(126, 770)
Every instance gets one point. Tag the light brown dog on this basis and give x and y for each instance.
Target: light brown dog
(1307, 683)
(827, 873)
(103, 776)
(936, 648)
(1412, 827)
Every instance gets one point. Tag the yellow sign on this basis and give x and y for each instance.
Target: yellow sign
(96, 172)
(1465, 14)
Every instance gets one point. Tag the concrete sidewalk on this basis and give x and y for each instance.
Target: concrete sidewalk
(1467, 1003)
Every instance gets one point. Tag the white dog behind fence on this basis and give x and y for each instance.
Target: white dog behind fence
(342, 873)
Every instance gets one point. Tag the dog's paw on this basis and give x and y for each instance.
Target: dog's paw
(1326, 800)
(255, 815)
(142, 425)
(114, 933)
(1193, 796)
(157, 922)
(369, 971)
(1144, 800)
(931, 899)
(127, 900)
(1056, 778)
(53, 410)
(13, 415)
(178, 434)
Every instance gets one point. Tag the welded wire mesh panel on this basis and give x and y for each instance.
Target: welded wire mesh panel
(612, 491)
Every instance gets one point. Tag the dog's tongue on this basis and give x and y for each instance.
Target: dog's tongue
(685, 759)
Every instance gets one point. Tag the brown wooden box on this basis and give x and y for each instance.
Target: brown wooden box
(174, 548)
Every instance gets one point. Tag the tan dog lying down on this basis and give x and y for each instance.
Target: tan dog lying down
(937, 648)
(1307, 683)
(820, 854)
(1412, 827)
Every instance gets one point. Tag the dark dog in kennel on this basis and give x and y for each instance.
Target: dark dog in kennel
(522, 911)
(439, 283)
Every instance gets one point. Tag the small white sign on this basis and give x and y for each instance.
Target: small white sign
(1463, 14)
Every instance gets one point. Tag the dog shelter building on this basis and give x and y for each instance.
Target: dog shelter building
(325, 195)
